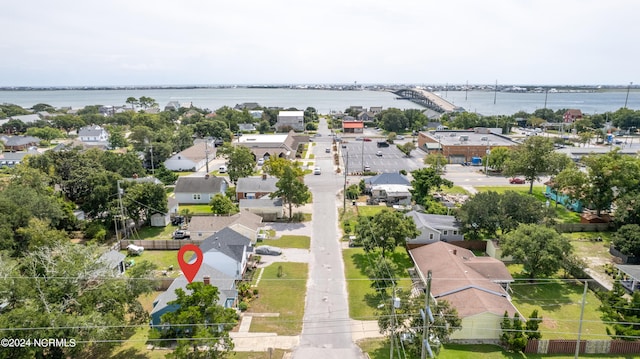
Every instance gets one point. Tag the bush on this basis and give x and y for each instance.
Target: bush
(95, 231)
(297, 217)
(243, 306)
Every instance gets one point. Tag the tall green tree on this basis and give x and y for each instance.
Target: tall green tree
(437, 161)
(199, 322)
(67, 291)
(221, 204)
(385, 231)
(407, 148)
(132, 101)
(530, 159)
(539, 249)
(424, 181)
(627, 239)
(240, 160)
(291, 189)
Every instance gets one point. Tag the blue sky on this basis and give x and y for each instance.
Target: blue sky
(159, 42)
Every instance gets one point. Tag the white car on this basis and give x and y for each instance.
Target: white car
(222, 169)
(379, 153)
(317, 171)
(260, 161)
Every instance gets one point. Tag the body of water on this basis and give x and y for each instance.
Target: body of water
(326, 101)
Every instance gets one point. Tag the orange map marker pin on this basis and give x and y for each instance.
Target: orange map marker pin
(190, 269)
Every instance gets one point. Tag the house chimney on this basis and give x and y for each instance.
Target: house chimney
(455, 252)
(206, 280)
(206, 176)
(264, 176)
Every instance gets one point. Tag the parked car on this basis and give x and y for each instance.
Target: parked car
(399, 137)
(318, 135)
(344, 145)
(382, 144)
(327, 150)
(317, 171)
(379, 153)
(268, 250)
(367, 168)
(359, 138)
(260, 161)
(366, 139)
(181, 234)
(516, 180)
(222, 169)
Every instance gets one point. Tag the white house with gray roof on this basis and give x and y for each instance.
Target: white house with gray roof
(267, 208)
(255, 187)
(435, 228)
(199, 190)
(93, 133)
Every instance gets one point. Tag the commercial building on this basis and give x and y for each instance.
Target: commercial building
(463, 145)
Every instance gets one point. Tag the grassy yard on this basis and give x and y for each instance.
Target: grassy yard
(196, 208)
(363, 300)
(289, 241)
(371, 210)
(454, 190)
(277, 354)
(379, 349)
(155, 232)
(562, 214)
(276, 295)
(162, 259)
(559, 303)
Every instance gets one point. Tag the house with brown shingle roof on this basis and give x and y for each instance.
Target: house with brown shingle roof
(192, 158)
(476, 286)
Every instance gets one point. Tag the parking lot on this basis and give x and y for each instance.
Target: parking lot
(362, 153)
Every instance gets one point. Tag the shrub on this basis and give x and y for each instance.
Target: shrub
(243, 306)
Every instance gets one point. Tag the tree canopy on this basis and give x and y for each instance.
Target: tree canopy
(385, 231)
(541, 250)
(240, 161)
(531, 159)
(291, 189)
(424, 181)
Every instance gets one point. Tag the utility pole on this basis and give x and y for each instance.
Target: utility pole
(124, 223)
(495, 93)
(153, 170)
(362, 155)
(584, 299)
(206, 153)
(426, 318)
(627, 98)
(344, 192)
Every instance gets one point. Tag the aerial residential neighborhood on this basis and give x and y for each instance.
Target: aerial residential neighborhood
(363, 230)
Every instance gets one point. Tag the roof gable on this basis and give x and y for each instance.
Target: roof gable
(208, 225)
(212, 184)
(257, 184)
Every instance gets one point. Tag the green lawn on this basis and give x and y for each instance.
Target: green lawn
(363, 300)
(559, 303)
(289, 241)
(196, 208)
(371, 211)
(454, 190)
(379, 349)
(156, 232)
(276, 295)
(162, 259)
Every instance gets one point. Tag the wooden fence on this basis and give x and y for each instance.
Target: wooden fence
(583, 227)
(586, 347)
(158, 244)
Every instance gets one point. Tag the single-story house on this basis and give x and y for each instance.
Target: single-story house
(11, 159)
(199, 190)
(19, 143)
(267, 208)
(278, 145)
(93, 133)
(244, 222)
(435, 227)
(193, 158)
(246, 127)
(115, 261)
(477, 287)
(387, 178)
(255, 187)
(207, 274)
(352, 126)
(391, 194)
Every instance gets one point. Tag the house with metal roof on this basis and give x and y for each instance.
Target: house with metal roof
(193, 158)
(477, 287)
(115, 261)
(243, 222)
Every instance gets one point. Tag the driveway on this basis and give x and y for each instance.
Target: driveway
(296, 255)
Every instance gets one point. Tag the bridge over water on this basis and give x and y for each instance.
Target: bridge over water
(427, 99)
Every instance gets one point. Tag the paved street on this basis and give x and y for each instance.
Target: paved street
(326, 330)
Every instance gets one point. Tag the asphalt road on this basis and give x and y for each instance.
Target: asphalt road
(326, 329)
